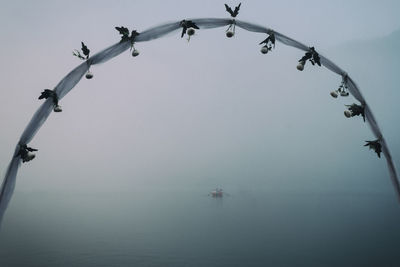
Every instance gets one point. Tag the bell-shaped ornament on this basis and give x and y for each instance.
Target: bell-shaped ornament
(135, 52)
(190, 31)
(334, 94)
(348, 113)
(264, 49)
(29, 156)
(57, 108)
(89, 75)
(230, 34)
(300, 66)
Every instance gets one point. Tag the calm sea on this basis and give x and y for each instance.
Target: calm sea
(182, 227)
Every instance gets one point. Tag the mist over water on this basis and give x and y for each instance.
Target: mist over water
(185, 227)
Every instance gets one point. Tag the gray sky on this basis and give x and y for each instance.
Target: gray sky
(212, 108)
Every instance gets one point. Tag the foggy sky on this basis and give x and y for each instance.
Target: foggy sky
(215, 108)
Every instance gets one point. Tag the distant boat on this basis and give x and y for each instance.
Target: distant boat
(217, 193)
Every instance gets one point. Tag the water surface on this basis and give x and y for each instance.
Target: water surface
(185, 227)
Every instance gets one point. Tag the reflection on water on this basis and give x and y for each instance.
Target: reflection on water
(189, 228)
